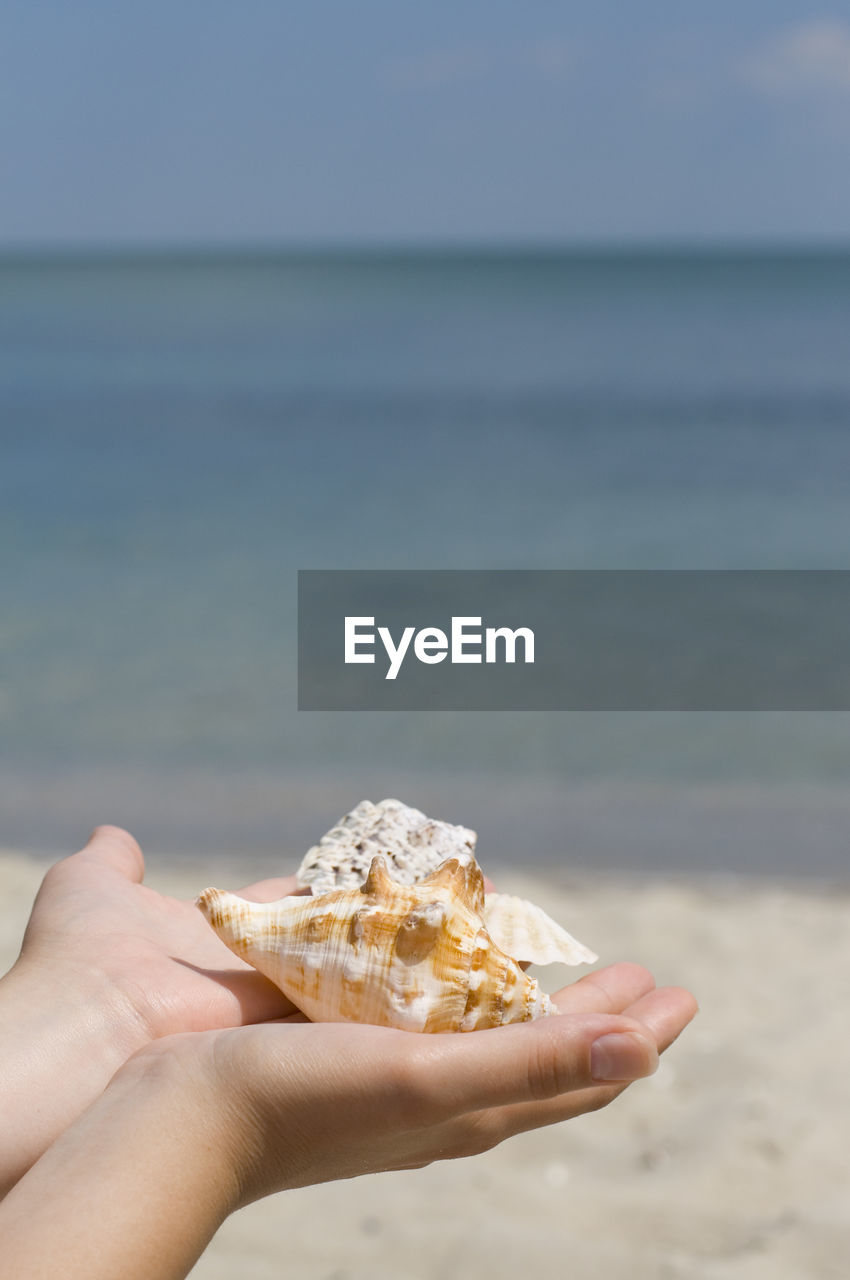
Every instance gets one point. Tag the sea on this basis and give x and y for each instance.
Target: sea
(181, 432)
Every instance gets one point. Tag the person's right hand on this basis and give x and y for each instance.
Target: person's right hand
(197, 1124)
(310, 1102)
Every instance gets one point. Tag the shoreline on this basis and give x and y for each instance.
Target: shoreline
(794, 831)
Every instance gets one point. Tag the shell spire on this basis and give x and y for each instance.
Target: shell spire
(462, 876)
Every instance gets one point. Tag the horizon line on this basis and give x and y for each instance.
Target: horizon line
(425, 247)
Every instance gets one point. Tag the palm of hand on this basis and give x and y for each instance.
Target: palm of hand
(162, 965)
(335, 1100)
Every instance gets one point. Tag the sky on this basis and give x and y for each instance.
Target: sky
(204, 122)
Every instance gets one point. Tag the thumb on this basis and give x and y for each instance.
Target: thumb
(534, 1061)
(114, 847)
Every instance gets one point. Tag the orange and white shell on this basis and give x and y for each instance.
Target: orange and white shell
(418, 957)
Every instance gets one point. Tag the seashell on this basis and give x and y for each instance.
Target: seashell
(527, 933)
(417, 957)
(414, 846)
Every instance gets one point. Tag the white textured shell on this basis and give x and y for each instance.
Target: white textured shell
(417, 957)
(414, 846)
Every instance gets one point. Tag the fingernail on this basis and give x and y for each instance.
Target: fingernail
(624, 1055)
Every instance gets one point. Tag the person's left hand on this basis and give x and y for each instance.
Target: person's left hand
(107, 966)
(162, 966)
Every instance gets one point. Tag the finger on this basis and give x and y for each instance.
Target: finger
(116, 848)
(528, 1062)
(665, 1013)
(608, 990)
(256, 998)
(480, 1130)
(271, 890)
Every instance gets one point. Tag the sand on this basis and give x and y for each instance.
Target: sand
(732, 1163)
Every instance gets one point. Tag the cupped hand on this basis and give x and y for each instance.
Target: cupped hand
(197, 1124)
(151, 959)
(108, 966)
(304, 1102)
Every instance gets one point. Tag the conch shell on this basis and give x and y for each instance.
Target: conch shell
(414, 846)
(418, 957)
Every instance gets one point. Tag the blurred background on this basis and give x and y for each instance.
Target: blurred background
(468, 286)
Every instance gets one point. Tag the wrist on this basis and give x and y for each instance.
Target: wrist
(232, 1080)
(138, 1185)
(73, 1004)
(180, 1076)
(62, 1038)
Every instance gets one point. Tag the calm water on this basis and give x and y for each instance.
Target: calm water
(180, 435)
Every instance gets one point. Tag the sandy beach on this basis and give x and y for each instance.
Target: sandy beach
(732, 1163)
